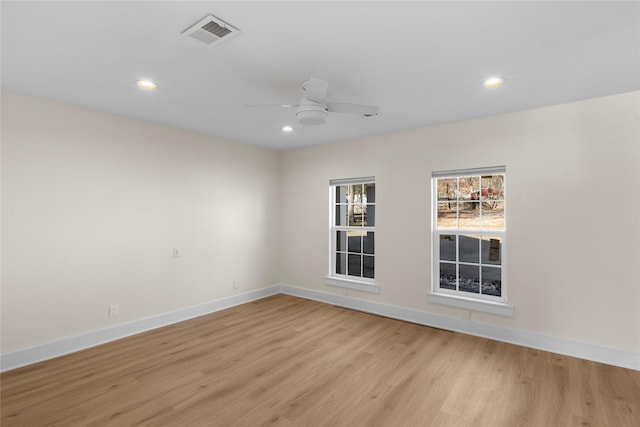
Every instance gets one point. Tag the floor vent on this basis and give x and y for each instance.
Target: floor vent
(211, 30)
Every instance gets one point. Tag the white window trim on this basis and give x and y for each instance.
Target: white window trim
(471, 303)
(356, 285)
(362, 284)
(455, 299)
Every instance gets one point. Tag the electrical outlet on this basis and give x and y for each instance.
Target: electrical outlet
(113, 310)
(176, 253)
(236, 284)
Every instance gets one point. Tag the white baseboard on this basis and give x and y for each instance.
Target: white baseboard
(610, 356)
(625, 359)
(50, 350)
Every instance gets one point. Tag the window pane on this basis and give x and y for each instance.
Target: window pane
(448, 247)
(469, 258)
(492, 281)
(342, 192)
(469, 248)
(447, 189)
(447, 215)
(493, 215)
(355, 241)
(355, 265)
(357, 192)
(447, 276)
(492, 250)
(341, 241)
(469, 216)
(371, 192)
(368, 266)
(341, 263)
(469, 278)
(469, 187)
(341, 214)
(493, 187)
(368, 246)
(354, 209)
(370, 215)
(356, 214)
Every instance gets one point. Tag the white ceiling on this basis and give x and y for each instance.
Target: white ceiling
(421, 62)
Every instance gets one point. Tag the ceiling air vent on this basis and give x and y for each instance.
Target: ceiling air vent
(211, 30)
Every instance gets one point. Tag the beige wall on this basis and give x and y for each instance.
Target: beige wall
(573, 222)
(92, 205)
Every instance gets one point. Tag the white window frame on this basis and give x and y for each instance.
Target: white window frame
(457, 298)
(363, 284)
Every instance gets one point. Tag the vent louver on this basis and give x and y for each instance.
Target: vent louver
(210, 30)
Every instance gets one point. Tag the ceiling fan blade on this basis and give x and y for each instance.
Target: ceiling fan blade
(344, 108)
(315, 90)
(272, 105)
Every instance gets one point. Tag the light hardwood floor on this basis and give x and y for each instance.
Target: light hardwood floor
(287, 361)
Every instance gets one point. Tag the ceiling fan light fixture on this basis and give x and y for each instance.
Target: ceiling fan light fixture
(311, 115)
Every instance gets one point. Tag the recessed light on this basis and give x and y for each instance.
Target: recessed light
(287, 129)
(146, 84)
(493, 82)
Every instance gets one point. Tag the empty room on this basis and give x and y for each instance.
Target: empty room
(309, 213)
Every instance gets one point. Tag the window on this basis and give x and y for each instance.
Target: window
(469, 238)
(352, 234)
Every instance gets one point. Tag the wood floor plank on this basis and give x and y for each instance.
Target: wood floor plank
(286, 361)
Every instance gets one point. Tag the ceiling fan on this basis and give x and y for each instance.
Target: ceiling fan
(313, 108)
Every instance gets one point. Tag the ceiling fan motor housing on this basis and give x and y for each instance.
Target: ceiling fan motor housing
(311, 115)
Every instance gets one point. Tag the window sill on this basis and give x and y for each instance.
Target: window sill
(471, 304)
(355, 285)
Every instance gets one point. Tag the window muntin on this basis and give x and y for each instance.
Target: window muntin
(353, 230)
(469, 233)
